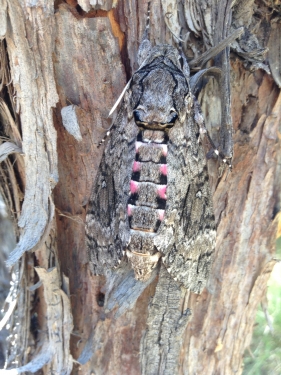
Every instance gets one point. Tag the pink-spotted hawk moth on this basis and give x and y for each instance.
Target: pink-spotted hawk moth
(151, 199)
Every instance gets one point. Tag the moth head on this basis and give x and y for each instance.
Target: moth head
(153, 101)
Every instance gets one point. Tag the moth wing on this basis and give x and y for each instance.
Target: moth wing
(187, 235)
(107, 227)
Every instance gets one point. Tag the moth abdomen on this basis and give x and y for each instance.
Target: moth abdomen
(147, 202)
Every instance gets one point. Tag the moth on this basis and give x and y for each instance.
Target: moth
(151, 200)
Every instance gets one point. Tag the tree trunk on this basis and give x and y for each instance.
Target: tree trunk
(63, 66)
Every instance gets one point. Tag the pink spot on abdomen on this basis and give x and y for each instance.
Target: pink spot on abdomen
(134, 187)
(136, 166)
(165, 150)
(164, 169)
(129, 210)
(162, 192)
(161, 214)
(138, 144)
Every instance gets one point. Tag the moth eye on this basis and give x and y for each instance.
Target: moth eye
(173, 114)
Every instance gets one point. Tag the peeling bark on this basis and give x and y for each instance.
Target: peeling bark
(63, 65)
(33, 80)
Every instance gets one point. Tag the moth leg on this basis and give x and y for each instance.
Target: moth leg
(106, 136)
(214, 51)
(199, 119)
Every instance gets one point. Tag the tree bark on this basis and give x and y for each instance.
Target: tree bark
(63, 66)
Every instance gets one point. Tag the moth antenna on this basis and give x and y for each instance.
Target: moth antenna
(119, 99)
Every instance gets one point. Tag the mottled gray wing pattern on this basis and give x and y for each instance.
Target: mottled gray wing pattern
(186, 237)
(107, 228)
